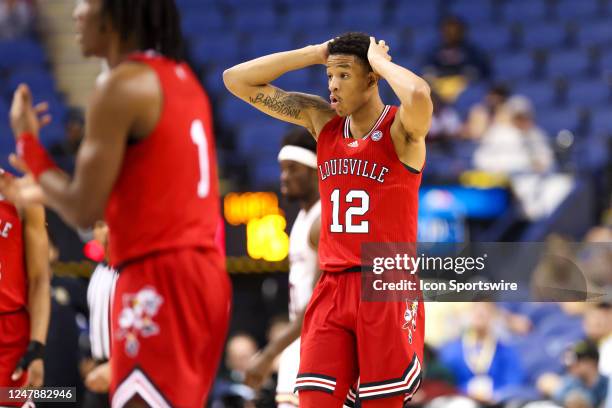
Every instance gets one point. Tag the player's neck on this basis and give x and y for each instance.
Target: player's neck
(365, 117)
(119, 52)
(307, 203)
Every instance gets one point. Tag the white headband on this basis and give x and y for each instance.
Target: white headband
(298, 154)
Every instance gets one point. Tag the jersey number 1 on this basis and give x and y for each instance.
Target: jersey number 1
(198, 136)
(361, 228)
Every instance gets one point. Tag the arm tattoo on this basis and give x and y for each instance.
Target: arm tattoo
(288, 104)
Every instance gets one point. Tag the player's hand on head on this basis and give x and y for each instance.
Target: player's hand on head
(24, 116)
(323, 51)
(378, 50)
(258, 371)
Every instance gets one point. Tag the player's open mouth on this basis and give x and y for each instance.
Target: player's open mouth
(334, 100)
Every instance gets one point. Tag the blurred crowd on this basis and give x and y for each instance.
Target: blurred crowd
(16, 18)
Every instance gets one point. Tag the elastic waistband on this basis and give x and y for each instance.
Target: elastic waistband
(347, 270)
(12, 312)
(203, 249)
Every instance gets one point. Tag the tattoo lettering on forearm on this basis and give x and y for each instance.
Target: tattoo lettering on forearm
(289, 103)
(278, 103)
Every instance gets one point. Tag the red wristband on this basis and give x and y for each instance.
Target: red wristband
(34, 154)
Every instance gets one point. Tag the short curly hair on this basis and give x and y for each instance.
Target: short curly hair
(352, 43)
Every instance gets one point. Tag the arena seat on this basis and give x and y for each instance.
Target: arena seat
(200, 21)
(605, 62)
(411, 13)
(472, 11)
(266, 174)
(261, 137)
(555, 120)
(262, 18)
(267, 43)
(595, 33)
(511, 66)
(20, 53)
(360, 18)
(37, 78)
(423, 39)
(491, 37)
(315, 16)
(567, 63)
(541, 93)
(546, 36)
(601, 122)
(222, 47)
(588, 92)
(570, 10)
(525, 11)
(473, 94)
(233, 111)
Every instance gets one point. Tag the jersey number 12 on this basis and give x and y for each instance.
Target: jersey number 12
(361, 228)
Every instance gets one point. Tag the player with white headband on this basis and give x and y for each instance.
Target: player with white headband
(298, 161)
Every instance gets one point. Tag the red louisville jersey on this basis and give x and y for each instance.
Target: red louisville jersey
(166, 195)
(367, 193)
(13, 276)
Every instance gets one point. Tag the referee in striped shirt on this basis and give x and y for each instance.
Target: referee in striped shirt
(99, 295)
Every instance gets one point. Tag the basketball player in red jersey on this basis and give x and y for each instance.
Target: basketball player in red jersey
(370, 158)
(147, 166)
(24, 295)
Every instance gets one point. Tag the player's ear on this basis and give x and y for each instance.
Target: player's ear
(372, 79)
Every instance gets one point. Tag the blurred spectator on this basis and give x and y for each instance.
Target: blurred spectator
(484, 368)
(520, 150)
(266, 395)
(454, 61)
(595, 257)
(445, 122)
(445, 321)
(16, 18)
(229, 391)
(582, 385)
(598, 328)
(515, 147)
(64, 153)
(488, 112)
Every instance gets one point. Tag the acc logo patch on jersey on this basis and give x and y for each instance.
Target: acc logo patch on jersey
(136, 318)
(376, 136)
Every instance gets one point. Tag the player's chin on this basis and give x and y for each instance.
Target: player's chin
(341, 112)
(291, 196)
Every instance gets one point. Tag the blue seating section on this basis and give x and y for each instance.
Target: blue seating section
(534, 46)
(24, 61)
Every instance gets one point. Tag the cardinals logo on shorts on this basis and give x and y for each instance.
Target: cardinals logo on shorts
(136, 318)
(410, 316)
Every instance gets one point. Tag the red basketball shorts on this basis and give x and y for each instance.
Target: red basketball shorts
(14, 339)
(352, 347)
(170, 316)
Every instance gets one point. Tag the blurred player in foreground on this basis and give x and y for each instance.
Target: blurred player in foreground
(147, 166)
(298, 161)
(369, 156)
(25, 301)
